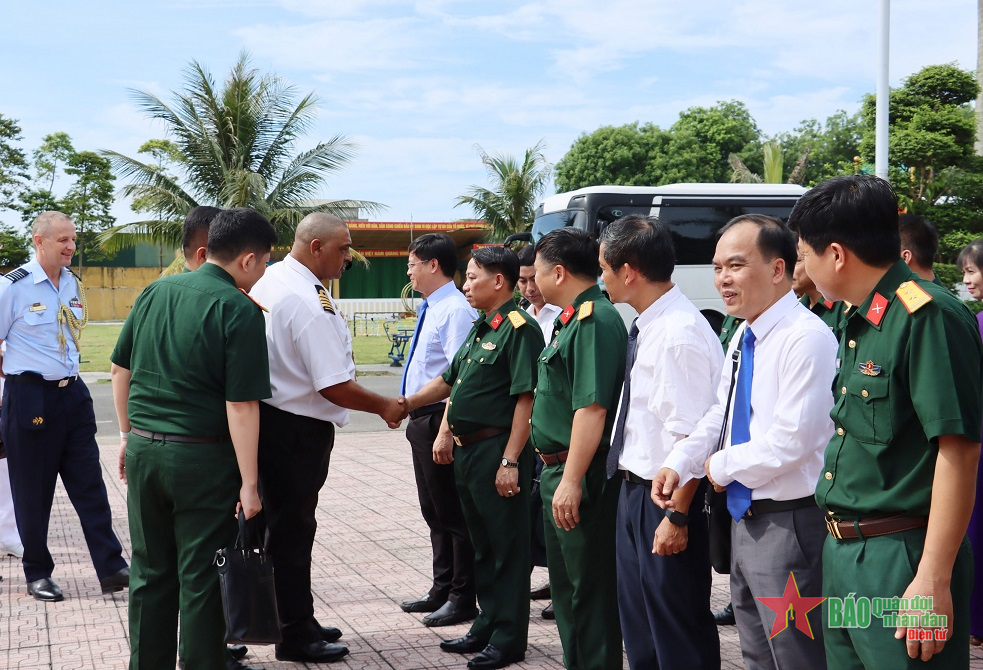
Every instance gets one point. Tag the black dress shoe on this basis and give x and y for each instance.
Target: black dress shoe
(427, 603)
(45, 590)
(450, 614)
(237, 651)
(313, 652)
(468, 644)
(542, 593)
(117, 581)
(491, 657)
(548, 612)
(725, 617)
(328, 633)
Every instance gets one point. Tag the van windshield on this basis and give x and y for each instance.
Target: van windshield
(547, 223)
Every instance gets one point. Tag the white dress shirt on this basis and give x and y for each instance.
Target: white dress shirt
(448, 321)
(547, 315)
(791, 398)
(673, 381)
(310, 348)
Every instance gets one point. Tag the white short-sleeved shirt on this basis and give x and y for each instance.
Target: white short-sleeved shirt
(547, 315)
(673, 381)
(310, 347)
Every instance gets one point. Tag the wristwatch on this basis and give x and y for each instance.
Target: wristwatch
(676, 518)
(506, 463)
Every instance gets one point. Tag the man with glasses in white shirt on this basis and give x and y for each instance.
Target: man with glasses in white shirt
(444, 320)
(777, 427)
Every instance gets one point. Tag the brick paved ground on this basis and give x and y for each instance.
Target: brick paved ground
(372, 552)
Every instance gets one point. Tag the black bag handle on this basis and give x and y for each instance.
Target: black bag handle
(736, 356)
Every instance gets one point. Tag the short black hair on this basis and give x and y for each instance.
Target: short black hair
(196, 222)
(972, 253)
(920, 238)
(436, 246)
(642, 242)
(527, 256)
(234, 232)
(573, 248)
(775, 239)
(498, 260)
(858, 211)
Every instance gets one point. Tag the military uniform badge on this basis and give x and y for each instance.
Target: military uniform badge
(566, 315)
(322, 296)
(877, 308)
(586, 309)
(516, 319)
(497, 321)
(913, 296)
(869, 369)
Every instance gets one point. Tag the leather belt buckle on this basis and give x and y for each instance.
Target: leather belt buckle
(457, 440)
(833, 526)
(62, 383)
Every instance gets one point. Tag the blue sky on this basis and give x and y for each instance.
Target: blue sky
(418, 84)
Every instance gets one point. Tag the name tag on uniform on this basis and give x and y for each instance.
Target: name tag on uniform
(38, 307)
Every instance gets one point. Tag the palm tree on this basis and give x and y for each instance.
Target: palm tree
(238, 147)
(509, 205)
(774, 166)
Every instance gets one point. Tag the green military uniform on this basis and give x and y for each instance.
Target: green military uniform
(727, 330)
(496, 363)
(584, 364)
(909, 372)
(832, 313)
(186, 343)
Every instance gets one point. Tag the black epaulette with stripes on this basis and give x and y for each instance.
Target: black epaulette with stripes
(16, 275)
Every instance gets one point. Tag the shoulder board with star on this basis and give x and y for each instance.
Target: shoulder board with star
(586, 309)
(253, 300)
(16, 275)
(516, 319)
(913, 296)
(322, 296)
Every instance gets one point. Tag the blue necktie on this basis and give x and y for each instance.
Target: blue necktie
(738, 495)
(618, 441)
(420, 315)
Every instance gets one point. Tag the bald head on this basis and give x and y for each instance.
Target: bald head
(323, 244)
(317, 226)
(42, 225)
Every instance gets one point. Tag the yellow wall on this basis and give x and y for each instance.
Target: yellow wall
(111, 292)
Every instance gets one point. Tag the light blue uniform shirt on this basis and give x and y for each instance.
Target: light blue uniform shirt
(448, 322)
(29, 323)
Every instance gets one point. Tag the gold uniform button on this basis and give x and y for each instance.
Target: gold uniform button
(469, 360)
(481, 360)
(829, 475)
(843, 391)
(852, 344)
(864, 393)
(458, 381)
(840, 431)
(477, 339)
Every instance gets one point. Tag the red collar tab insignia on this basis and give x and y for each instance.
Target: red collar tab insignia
(877, 308)
(869, 369)
(586, 309)
(253, 300)
(828, 304)
(566, 315)
(497, 321)
(913, 296)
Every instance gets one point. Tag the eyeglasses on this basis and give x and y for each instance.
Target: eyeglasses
(409, 266)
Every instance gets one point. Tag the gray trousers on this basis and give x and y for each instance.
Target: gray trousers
(765, 548)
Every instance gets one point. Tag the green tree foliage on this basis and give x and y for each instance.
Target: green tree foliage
(90, 198)
(55, 150)
(694, 149)
(830, 147)
(15, 248)
(14, 168)
(515, 188)
(932, 131)
(239, 145)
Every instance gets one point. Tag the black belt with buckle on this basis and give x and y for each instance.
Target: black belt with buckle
(427, 410)
(37, 380)
(478, 435)
(635, 479)
(186, 439)
(873, 527)
(766, 506)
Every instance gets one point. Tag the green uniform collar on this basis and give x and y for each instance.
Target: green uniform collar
(896, 275)
(220, 273)
(508, 306)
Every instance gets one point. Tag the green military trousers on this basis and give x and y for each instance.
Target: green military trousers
(883, 567)
(181, 501)
(582, 571)
(499, 529)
